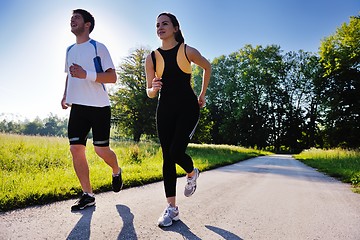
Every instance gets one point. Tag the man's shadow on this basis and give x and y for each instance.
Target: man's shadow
(82, 227)
(128, 230)
(223, 233)
(181, 228)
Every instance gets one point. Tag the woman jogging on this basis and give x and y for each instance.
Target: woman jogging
(168, 72)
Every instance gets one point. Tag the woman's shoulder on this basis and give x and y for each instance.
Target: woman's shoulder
(191, 51)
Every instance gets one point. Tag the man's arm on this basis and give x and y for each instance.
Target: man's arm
(109, 76)
(63, 100)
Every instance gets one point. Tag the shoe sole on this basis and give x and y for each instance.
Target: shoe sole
(82, 208)
(116, 190)
(175, 219)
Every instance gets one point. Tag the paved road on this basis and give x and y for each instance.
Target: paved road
(272, 197)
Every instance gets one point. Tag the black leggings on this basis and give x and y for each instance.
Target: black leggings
(176, 122)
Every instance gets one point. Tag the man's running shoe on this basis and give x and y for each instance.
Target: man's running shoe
(117, 182)
(170, 214)
(85, 201)
(190, 186)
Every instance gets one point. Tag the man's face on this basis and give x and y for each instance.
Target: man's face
(77, 24)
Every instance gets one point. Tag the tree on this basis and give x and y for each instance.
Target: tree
(259, 97)
(205, 124)
(133, 112)
(11, 127)
(220, 100)
(33, 127)
(301, 113)
(54, 126)
(340, 85)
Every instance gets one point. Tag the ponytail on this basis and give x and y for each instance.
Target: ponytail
(179, 37)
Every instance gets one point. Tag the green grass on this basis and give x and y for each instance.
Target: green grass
(37, 170)
(339, 163)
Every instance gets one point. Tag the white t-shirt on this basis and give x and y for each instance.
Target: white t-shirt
(82, 91)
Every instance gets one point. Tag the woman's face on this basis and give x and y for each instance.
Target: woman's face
(164, 27)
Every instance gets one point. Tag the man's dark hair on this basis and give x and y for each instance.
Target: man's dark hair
(87, 17)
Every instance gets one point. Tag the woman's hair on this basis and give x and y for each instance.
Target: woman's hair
(178, 35)
(87, 17)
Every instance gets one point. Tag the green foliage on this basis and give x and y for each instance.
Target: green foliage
(260, 97)
(340, 163)
(50, 126)
(205, 125)
(133, 111)
(38, 170)
(340, 85)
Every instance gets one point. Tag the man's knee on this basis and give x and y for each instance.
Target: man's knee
(103, 151)
(77, 150)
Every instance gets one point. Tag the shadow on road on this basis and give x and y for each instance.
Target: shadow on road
(82, 227)
(128, 230)
(283, 165)
(181, 228)
(223, 233)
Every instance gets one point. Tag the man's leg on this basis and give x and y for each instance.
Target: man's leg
(81, 166)
(109, 157)
(101, 139)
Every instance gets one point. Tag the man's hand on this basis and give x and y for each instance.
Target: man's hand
(63, 103)
(77, 71)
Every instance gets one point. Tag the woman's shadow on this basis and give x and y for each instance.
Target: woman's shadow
(181, 228)
(128, 230)
(82, 227)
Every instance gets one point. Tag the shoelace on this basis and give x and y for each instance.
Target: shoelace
(168, 211)
(190, 182)
(80, 200)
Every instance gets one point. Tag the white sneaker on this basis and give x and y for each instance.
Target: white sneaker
(170, 214)
(190, 186)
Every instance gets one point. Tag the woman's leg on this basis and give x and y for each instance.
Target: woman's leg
(186, 124)
(165, 128)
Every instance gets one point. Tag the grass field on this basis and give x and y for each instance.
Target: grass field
(339, 163)
(38, 170)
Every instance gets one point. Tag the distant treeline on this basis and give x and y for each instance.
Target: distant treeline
(50, 126)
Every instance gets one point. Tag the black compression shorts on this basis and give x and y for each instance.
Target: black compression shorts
(83, 118)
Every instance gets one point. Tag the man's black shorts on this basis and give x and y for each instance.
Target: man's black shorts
(83, 118)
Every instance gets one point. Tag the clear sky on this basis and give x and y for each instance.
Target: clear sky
(35, 34)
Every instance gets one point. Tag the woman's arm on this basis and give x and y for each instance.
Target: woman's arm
(153, 83)
(195, 57)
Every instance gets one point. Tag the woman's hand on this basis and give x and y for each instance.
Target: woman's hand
(156, 84)
(201, 101)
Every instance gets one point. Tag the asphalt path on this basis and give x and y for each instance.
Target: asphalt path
(271, 197)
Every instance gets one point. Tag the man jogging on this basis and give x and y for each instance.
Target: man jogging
(88, 66)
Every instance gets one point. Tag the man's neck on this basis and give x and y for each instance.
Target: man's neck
(82, 38)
